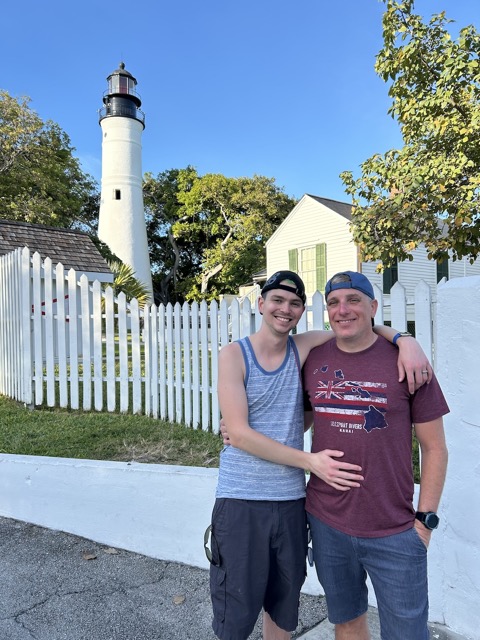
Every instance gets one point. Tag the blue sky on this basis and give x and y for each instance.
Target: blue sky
(281, 88)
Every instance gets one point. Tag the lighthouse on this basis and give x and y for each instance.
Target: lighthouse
(121, 223)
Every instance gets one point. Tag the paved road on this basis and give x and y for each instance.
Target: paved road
(56, 586)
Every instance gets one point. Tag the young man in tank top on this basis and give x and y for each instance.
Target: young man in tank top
(258, 533)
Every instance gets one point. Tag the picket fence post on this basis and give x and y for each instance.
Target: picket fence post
(26, 334)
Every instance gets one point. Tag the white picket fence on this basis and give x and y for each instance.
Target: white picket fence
(66, 342)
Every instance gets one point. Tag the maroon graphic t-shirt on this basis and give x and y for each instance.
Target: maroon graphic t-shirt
(360, 408)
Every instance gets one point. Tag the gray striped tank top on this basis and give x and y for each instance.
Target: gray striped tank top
(275, 404)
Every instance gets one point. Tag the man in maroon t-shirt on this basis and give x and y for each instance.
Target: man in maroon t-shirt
(362, 414)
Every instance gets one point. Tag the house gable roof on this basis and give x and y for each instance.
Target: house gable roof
(342, 208)
(74, 249)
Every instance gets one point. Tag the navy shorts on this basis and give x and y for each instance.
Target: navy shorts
(397, 566)
(258, 560)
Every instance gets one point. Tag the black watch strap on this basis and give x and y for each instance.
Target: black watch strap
(429, 519)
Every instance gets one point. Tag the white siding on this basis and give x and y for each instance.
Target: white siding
(409, 271)
(420, 268)
(368, 268)
(462, 268)
(308, 224)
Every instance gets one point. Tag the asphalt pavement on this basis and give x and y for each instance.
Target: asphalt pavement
(57, 586)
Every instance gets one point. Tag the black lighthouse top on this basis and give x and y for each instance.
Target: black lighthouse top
(121, 98)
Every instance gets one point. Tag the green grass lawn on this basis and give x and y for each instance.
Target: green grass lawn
(103, 436)
(109, 436)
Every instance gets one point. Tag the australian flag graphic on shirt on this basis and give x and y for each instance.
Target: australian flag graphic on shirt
(352, 403)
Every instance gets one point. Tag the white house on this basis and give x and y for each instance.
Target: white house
(315, 241)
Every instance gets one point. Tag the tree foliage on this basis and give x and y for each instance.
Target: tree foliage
(207, 233)
(428, 191)
(40, 179)
(174, 259)
(237, 216)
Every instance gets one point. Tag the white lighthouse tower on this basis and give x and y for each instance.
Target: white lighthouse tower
(121, 222)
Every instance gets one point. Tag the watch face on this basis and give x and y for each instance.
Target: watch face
(431, 520)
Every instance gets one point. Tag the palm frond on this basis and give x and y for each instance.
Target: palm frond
(126, 282)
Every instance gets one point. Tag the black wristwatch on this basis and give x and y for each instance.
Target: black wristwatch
(429, 519)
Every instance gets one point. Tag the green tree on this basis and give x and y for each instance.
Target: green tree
(174, 259)
(40, 179)
(236, 216)
(207, 233)
(427, 191)
(18, 128)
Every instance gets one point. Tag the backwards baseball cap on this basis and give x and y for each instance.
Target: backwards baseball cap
(291, 282)
(350, 280)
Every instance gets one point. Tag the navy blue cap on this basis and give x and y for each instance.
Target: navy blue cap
(350, 280)
(296, 286)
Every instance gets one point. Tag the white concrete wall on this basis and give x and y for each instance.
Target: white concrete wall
(458, 353)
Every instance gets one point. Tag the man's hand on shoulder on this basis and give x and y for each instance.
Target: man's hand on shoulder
(413, 364)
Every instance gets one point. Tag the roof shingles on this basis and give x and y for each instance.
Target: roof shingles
(74, 249)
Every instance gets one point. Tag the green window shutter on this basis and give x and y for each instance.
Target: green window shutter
(387, 279)
(442, 270)
(321, 265)
(293, 260)
(390, 277)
